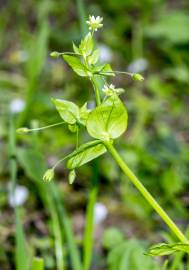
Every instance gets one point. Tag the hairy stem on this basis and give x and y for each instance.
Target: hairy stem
(173, 227)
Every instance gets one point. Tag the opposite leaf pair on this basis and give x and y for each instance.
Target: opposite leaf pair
(105, 122)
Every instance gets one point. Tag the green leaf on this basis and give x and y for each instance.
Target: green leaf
(86, 153)
(98, 69)
(75, 48)
(93, 58)
(83, 114)
(163, 249)
(67, 110)
(86, 45)
(21, 252)
(76, 65)
(109, 120)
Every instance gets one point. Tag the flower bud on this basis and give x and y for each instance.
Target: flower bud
(49, 174)
(137, 77)
(71, 177)
(22, 130)
(55, 54)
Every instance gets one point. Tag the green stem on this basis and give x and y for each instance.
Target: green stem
(77, 137)
(145, 193)
(115, 72)
(69, 53)
(41, 128)
(89, 225)
(97, 93)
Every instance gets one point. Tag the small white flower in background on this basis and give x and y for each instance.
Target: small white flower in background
(18, 56)
(94, 23)
(138, 65)
(19, 196)
(17, 105)
(100, 213)
(91, 105)
(110, 90)
(105, 53)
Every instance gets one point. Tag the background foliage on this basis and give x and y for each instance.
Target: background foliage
(150, 37)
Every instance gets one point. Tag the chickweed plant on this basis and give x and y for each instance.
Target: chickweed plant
(104, 124)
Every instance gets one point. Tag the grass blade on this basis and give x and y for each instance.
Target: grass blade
(73, 250)
(21, 260)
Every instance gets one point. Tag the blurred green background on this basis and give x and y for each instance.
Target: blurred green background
(147, 36)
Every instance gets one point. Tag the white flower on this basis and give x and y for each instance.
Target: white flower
(17, 105)
(110, 90)
(94, 23)
(138, 65)
(19, 196)
(100, 213)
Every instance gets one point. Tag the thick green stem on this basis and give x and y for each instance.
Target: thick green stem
(145, 193)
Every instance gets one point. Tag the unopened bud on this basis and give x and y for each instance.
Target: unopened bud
(71, 177)
(22, 130)
(55, 54)
(48, 176)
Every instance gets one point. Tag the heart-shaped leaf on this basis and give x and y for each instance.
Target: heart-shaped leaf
(109, 120)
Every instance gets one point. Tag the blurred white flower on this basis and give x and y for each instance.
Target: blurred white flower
(19, 56)
(19, 196)
(138, 65)
(105, 53)
(100, 213)
(94, 23)
(91, 105)
(17, 105)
